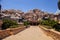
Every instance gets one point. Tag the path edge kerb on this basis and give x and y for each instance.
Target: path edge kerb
(9, 32)
(50, 32)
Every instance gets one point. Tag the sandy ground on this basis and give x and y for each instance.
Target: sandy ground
(32, 33)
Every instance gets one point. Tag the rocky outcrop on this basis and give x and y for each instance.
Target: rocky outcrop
(31, 14)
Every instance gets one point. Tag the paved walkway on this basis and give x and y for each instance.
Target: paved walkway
(32, 33)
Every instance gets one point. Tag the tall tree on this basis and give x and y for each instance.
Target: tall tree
(0, 6)
(59, 4)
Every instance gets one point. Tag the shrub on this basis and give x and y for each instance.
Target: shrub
(7, 23)
(51, 24)
(48, 22)
(14, 26)
(26, 23)
(57, 27)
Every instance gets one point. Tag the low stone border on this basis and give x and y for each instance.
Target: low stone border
(16, 30)
(50, 32)
(4, 33)
(10, 31)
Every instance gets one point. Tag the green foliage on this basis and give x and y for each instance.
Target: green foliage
(48, 22)
(26, 23)
(57, 27)
(14, 26)
(59, 4)
(7, 23)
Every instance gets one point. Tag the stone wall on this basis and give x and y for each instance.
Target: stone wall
(10, 31)
(16, 30)
(50, 32)
(4, 33)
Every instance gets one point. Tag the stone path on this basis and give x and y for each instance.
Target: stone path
(32, 33)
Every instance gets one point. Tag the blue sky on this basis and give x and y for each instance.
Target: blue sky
(25, 5)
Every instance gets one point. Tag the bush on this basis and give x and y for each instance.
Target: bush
(57, 27)
(26, 23)
(49, 23)
(14, 26)
(7, 23)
